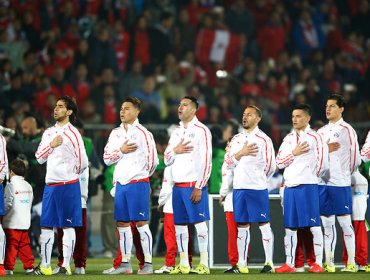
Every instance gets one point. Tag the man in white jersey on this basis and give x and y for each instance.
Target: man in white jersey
(132, 147)
(365, 151)
(251, 156)
(304, 157)
(63, 149)
(335, 190)
(189, 153)
(3, 173)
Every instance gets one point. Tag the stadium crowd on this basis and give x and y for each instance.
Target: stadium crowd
(226, 55)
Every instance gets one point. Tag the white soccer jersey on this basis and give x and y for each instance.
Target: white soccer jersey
(305, 168)
(3, 158)
(67, 161)
(251, 172)
(18, 197)
(344, 161)
(137, 165)
(226, 189)
(365, 151)
(196, 165)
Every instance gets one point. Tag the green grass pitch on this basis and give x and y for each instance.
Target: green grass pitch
(96, 266)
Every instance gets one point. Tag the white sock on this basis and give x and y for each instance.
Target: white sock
(290, 242)
(182, 240)
(349, 236)
(243, 244)
(46, 243)
(69, 241)
(330, 238)
(125, 242)
(317, 243)
(268, 242)
(2, 245)
(146, 242)
(202, 234)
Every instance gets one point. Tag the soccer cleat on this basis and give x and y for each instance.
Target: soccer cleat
(299, 269)
(64, 271)
(329, 268)
(164, 270)
(180, 269)
(243, 270)
(351, 267)
(146, 269)
(315, 268)
(80, 271)
(124, 268)
(363, 268)
(268, 268)
(109, 270)
(200, 269)
(285, 269)
(56, 270)
(40, 270)
(233, 269)
(29, 271)
(10, 272)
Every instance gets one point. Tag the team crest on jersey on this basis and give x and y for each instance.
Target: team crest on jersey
(191, 135)
(133, 137)
(336, 135)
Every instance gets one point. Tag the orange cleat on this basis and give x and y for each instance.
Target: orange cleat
(285, 269)
(315, 268)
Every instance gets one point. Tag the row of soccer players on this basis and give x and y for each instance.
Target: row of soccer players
(304, 154)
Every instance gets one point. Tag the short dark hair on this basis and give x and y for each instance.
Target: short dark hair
(18, 167)
(304, 107)
(70, 105)
(258, 110)
(138, 104)
(339, 98)
(193, 99)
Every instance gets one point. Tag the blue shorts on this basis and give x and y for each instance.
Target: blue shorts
(335, 200)
(131, 202)
(61, 206)
(301, 206)
(2, 210)
(251, 206)
(186, 212)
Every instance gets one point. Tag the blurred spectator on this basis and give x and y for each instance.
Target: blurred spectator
(151, 101)
(184, 34)
(307, 35)
(132, 81)
(121, 45)
(141, 43)
(161, 38)
(240, 20)
(361, 20)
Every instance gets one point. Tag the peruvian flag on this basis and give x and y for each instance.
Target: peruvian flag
(218, 46)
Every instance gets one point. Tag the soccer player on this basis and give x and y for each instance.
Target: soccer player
(62, 148)
(359, 205)
(132, 147)
(169, 234)
(365, 151)
(304, 157)
(3, 173)
(335, 190)
(17, 221)
(251, 156)
(226, 201)
(189, 153)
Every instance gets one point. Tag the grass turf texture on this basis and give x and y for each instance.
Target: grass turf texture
(96, 266)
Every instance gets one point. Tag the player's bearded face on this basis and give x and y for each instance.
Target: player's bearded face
(60, 111)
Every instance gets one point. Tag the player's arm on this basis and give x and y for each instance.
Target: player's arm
(8, 197)
(112, 150)
(205, 158)
(3, 159)
(152, 154)
(270, 160)
(44, 149)
(285, 155)
(365, 151)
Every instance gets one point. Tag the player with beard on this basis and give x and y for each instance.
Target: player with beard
(63, 149)
(251, 156)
